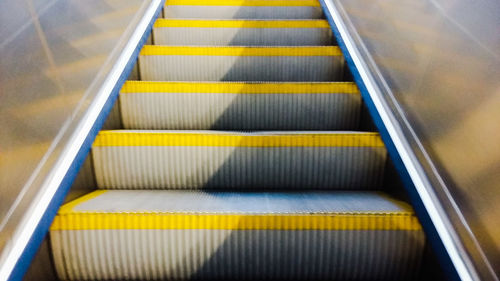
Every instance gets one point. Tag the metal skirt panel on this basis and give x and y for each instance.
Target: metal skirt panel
(241, 68)
(243, 12)
(197, 111)
(242, 36)
(255, 168)
(237, 254)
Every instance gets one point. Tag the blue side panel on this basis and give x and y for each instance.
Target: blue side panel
(417, 203)
(42, 228)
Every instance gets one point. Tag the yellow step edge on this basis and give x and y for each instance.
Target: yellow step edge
(163, 220)
(247, 3)
(159, 138)
(68, 207)
(150, 50)
(242, 23)
(240, 88)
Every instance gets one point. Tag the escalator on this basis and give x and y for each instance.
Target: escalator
(245, 153)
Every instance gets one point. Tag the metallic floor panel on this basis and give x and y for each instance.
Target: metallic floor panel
(240, 106)
(204, 159)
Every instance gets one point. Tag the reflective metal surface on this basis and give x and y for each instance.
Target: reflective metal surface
(436, 66)
(56, 58)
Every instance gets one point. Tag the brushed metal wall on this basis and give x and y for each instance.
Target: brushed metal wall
(437, 64)
(54, 58)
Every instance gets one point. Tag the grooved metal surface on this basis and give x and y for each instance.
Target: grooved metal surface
(240, 111)
(241, 254)
(241, 68)
(221, 36)
(173, 201)
(153, 252)
(238, 205)
(200, 167)
(248, 12)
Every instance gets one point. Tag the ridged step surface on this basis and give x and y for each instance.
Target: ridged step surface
(276, 197)
(305, 235)
(263, 160)
(242, 32)
(188, 63)
(243, 9)
(240, 106)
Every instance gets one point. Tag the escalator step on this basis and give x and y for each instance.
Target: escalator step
(231, 160)
(223, 235)
(242, 32)
(188, 63)
(243, 9)
(240, 106)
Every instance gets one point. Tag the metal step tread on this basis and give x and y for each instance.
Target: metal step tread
(240, 106)
(226, 32)
(250, 87)
(241, 51)
(264, 210)
(244, 3)
(237, 139)
(232, 63)
(156, 159)
(242, 23)
(243, 9)
(226, 236)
